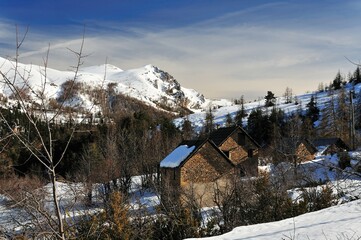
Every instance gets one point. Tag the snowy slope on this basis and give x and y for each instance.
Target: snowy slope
(220, 111)
(149, 84)
(34, 76)
(338, 222)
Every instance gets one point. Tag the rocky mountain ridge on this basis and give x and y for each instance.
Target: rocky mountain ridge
(149, 84)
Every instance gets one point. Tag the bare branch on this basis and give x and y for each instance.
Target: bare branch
(354, 63)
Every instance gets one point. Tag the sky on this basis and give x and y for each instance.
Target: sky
(223, 49)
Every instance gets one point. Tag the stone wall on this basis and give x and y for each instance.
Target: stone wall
(236, 153)
(170, 185)
(205, 166)
(204, 193)
(248, 166)
(303, 154)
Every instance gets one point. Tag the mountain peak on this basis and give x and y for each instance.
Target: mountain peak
(149, 66)
(149, 84)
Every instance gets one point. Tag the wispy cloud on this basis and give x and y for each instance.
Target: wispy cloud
(222, 57)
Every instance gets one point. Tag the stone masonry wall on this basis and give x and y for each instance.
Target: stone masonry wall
(236, 153)
(239, 154)
(303, 154)
(170, 185)
(204, 166)
(204, 193)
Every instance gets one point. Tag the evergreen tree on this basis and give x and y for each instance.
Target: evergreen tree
(337, 82)
(258, 126)
(307, 128)
(313, 111)
(357, 76)
(270, 99)
(276, 124)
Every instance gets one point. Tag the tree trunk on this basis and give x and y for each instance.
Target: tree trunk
(60, 234)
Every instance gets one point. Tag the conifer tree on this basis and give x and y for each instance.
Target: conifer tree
(357, 76)
(312, 110)
(307, 128)
(276, 124)
(270, 99)
(258, 126)
(337, 82)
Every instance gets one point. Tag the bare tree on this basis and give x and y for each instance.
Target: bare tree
(288, 95)
(209, 125)
(41, 145)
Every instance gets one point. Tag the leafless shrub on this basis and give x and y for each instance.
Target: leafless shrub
(69, 90)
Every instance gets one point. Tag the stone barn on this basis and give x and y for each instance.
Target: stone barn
(289, 150)
(194, 169)
(304, 151)
(239, 147)
(298, 150)
(330, 145)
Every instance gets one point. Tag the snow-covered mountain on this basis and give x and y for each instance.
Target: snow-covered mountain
(148, 84)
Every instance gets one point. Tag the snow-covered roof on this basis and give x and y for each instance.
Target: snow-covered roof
(321, 150)
(175, 158)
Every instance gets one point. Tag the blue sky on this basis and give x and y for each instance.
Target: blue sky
(223, 48)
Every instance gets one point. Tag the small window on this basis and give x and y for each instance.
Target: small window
(241, 139)
(226, 153)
